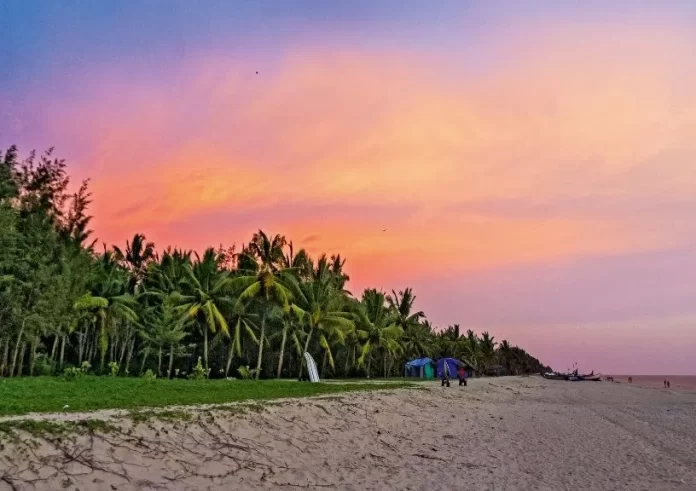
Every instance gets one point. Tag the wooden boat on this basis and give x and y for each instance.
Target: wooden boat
(554, 376)
(591, 377)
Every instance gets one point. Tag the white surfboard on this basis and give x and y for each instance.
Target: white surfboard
(311, 368)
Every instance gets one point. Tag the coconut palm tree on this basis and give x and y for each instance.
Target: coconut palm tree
(263, 280)
(107, 308)
(206, 291)
(376, 327)
(319, 305)
(487, 349)
(292, 330)
(337, 264)
(243, 322)
(300, 263)
(402, 304)
(165, 329)
(418, 341)
(138, 253)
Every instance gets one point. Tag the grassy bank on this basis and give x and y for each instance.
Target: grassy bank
(49, 394)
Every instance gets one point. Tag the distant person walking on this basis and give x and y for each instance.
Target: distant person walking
(668, 384)
(630, 380)
(664, 382)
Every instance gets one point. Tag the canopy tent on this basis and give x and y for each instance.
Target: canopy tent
(452, 364)
(420, 367)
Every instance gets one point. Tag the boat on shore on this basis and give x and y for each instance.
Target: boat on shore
(573, 376)
(554, 376)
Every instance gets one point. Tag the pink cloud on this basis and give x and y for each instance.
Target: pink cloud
(576, 141)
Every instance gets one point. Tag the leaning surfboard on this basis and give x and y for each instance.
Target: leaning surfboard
(311, 368)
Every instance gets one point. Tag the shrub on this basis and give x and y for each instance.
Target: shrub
(244, 372)
(71, 373)
(113, 369)
(44, 365)
(149, 375)
(198, 371)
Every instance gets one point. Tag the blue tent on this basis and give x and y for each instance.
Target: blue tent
(452, 364)
(420, 367)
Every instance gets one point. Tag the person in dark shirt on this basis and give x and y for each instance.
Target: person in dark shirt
(461, 373)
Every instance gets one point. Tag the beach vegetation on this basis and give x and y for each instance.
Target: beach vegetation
(71, 307)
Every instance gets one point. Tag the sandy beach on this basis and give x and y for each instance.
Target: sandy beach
(496, 434)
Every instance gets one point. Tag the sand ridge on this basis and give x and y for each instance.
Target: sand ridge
(506, 433)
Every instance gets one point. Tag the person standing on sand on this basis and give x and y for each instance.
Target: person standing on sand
(461, 373)
(664, 383)
(445, 374)
(668, 384)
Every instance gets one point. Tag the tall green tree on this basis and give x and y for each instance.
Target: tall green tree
(377, 328)
(206, 292)
(321, 306)
(263, 280)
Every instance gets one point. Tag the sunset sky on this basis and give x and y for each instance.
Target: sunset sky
(533, 163)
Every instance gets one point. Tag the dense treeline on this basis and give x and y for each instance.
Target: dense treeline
(66, 303)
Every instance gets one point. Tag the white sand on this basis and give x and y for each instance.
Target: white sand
(496, 434)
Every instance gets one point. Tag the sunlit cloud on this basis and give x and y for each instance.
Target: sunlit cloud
(572, 140)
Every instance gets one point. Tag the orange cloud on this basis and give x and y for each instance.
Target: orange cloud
(405, 142)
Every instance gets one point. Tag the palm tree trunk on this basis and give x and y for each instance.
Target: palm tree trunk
(205, 350)
(230, 355)
(323, 365)
(81, 345)
(345, 368)
(102, 356)
(145, 355)
(62, 351)
(5, 355)
(32, 355)
(263, 333)
(130, 355)
(88, 349)
(171, 361)
(15, 352)
(20, 365)
(306, 347)
(55, 348)
(159, 362)
(282, 349)
(124, 347)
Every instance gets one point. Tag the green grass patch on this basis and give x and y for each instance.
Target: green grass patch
(88, 393)
(56, 429)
